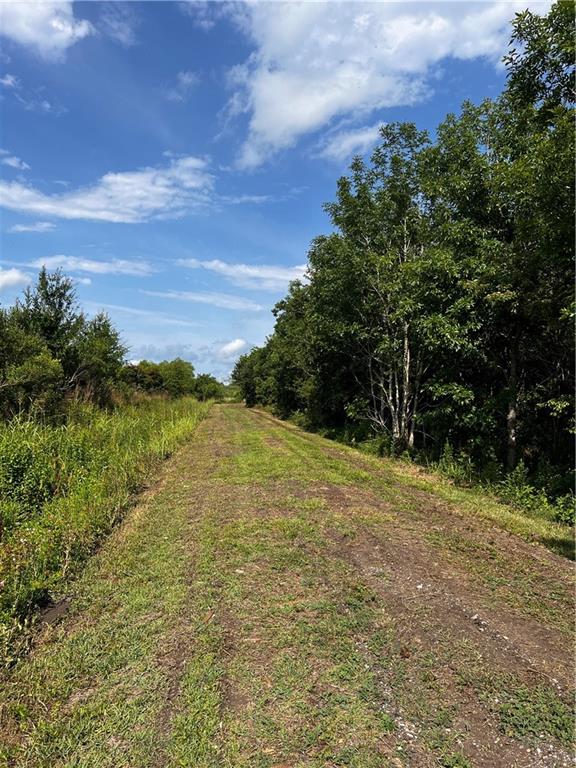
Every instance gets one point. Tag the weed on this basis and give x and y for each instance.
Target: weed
(63, 488)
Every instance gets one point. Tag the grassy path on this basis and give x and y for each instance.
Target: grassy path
(281, 602)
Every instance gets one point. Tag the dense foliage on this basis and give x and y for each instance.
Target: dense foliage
(62, 488)
(51, 355)
(173, 377)
(440, 310)
(49, 351)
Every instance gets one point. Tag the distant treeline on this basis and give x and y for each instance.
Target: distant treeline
(440, 311)
(52, 355)
(174, 377)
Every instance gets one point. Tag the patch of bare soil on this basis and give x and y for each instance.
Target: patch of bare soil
(413, 570)
(55, 611)
(436, 612)
(439, 610)
(274, 442)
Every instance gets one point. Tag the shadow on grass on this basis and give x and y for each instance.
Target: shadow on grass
(564, 546)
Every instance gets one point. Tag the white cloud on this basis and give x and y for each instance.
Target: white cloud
(34, 103)
(185, 82)
(251, 199)
(315, 62)
(118, 21)
(131, 196)
(32, 100)
(13, 162)
(343, 144)
(37, 226)
(12, 277)
(9, 81)
(112, 267)
(83, 280)
(222, 300)
(157, 318)
(205, 15)
(232, 349)
(48, 27)
(260, 277)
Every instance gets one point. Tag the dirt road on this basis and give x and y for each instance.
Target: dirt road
(278, 601)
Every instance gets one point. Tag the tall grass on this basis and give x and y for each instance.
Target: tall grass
(63, 488)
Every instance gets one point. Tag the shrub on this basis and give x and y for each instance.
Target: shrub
(456, 466)
(565, 510)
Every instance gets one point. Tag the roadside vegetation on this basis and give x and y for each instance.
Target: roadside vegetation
(282, 600)
(80, 433)
(52, 356)
(62, 488)
(517, 493)
(436, 321)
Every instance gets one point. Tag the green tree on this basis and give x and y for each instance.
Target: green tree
(100, 353)
(207, 387)
(441, 307)
(177, 377)
(30, 378)
(50, 310)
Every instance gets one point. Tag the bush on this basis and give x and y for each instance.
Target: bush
(516, 489)
(565, 510)
(456, 466)
(300, 419)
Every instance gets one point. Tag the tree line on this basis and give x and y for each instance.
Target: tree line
(440, 309)
(51, 355)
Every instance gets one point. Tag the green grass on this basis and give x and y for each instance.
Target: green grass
(64, 488)
(476, 502)
(530, 521)
(480, 503)
(510, 581)
(94, 696)
(234, 621)
(529, 713)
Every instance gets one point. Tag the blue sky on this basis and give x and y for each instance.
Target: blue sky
(173, 158)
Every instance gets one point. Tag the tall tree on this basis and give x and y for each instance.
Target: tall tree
(50, 310)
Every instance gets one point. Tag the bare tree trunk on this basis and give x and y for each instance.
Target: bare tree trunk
(512, 413)
(405, 401)
(394, 407)
(415, 405)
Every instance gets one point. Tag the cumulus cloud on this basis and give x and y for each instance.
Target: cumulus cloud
(129, 197)
(232, 349)
(13, 277)
(112, 267)
(314, 62)
(260, 277)
(185, 82)
(48, 27)
(221, 300)
(37, 226)
(343, 144)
